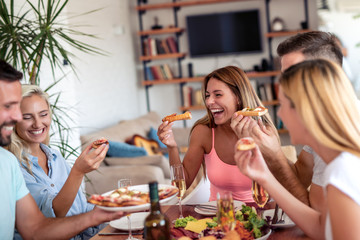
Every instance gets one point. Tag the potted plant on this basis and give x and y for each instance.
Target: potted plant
(37, 34)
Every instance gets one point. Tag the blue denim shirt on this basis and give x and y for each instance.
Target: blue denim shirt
(44, 188)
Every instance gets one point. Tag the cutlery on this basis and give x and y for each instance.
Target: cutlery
(207, 208)
(281, 217)
(119, 233)
(275, 217)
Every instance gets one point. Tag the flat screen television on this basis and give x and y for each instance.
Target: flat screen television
(224, 33)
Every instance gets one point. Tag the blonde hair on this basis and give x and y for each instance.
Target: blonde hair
(323, 96)
(18, 146)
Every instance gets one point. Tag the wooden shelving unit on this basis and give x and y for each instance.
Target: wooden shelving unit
(181, 4)
(161, 31)
(162, 56)
(285, 33)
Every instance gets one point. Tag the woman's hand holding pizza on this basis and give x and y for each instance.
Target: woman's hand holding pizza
(166, 134)
(242, 125)
(251, 163)
(90, 160)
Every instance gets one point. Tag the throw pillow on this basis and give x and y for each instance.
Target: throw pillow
(153, 136)
(120, 149)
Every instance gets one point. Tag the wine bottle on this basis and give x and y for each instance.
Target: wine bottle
(156, 225)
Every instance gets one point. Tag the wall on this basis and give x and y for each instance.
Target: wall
(108, 88)
(334, 21)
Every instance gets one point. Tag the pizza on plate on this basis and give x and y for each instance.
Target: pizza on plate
(124, 197)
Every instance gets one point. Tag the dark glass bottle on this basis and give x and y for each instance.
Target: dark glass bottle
(156, 225)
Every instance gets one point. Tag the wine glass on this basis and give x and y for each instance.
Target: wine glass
(225, 211)
(260, 195)
(124, 183)
(178, 180)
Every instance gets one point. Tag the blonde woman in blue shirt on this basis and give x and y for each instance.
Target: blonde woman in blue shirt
(52, 183)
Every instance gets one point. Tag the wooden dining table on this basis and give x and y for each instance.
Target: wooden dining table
(172, 212)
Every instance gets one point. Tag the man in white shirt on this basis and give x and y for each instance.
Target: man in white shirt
(308, 169)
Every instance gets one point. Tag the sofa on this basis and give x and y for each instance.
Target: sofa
(140, 170)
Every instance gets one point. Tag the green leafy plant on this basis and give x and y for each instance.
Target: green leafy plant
(37, 33)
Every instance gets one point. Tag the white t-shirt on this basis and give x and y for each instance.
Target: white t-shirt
(343, 173)
(319, 167)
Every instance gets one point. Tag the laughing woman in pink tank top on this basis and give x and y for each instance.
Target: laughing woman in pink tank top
(213, 137)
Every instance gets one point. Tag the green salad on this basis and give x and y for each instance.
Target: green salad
(252, 222)
(181, 222)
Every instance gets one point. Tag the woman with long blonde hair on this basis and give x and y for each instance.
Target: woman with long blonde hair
(52, 183)
(225, 91)
(319, 107)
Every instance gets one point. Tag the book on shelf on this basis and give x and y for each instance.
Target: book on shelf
(262, 92)
(187, 96)
(165, 45)
(276, 90)
(168, 71)
(163, 73)
(172, 44)
(146, 49)
(159, 47)
(159, 72)
(153, 47)
(269, 92)
(197, 98)
(149, 74)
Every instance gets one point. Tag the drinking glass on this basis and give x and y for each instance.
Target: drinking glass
(260, 195)
(178, 180)
(126, 182)
(225, 211)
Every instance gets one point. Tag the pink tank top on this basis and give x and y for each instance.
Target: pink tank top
(226, 177)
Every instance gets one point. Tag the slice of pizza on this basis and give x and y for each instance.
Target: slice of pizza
(167, 192)
(246, 143)
(258, 111)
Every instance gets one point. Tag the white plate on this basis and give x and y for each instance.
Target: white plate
(265, 236)
(205, 212)
(137, 222)
(287, 221)
(138, 208)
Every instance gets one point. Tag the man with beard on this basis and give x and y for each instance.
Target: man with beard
(18, 208)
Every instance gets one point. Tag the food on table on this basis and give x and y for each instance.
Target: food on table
(181, 222)
(246, 143)
(251, 221)
(174, 117)
(124, 197)
(208, 238)
(259, 194)
(248, 225)
(258, 111)
(99, 142)
(232, 235)
(184, 238)
(199, 225)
